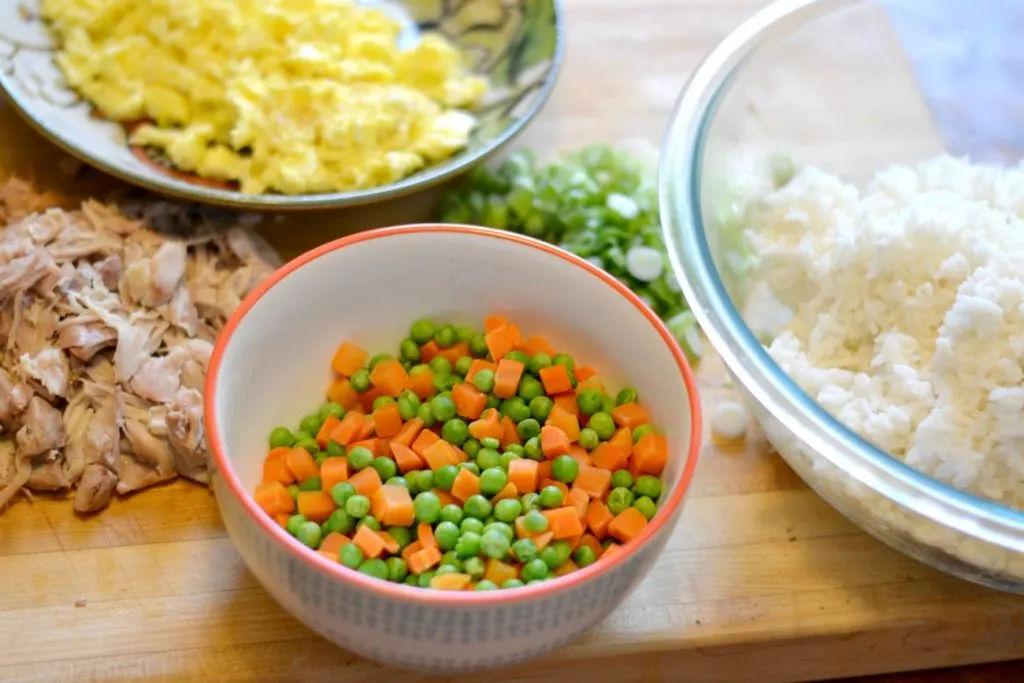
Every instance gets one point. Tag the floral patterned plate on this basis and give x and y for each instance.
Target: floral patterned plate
(517, 44)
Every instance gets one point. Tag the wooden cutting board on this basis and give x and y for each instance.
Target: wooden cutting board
(762, 582)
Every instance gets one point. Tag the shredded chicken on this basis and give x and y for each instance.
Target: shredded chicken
(108, 316)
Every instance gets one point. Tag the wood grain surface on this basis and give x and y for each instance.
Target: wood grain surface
(762, 582)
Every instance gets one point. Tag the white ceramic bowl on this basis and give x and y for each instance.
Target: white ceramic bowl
(271, 366)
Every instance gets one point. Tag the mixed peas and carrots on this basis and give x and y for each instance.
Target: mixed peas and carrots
(468, 461)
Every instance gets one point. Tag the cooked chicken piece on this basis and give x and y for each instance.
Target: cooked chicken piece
(42, 429)
(158, 379)
(94, 488)
(77, 417)
(85, 340)
(49, 473)
(181, 312)
(103, 437)
(14, 398)
(110, 270)
(24, 272)
(50, 369)
(185, 433)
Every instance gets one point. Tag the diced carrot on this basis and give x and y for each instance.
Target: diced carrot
(580, 455)
(497, 571)
(477, 365)
(445, 497)
(568, 568)
(439, 454)
(369, 541)
(324, 435)
(543, 540)
(627, 525)
(553, 442)
(612, 550)
(330, 556)
(367, 398)
(429, 351)
(333, 472)
(535, 345)
(301, 463)
(493, 322)
(509, 435)
(651, 453)
(349, 429)
(390, 377)
(598, 518)
(555, 380)
(423, 559)
(282, 519)
(392, 506)
(423, 441)
(565, 421)
(593, 481)
(390, 544)
(451, 582)
(466, 484)
(405, 457)
(609, 457)
(574, 540)
(582, 373)
(422, 384)
(633, 470)
(469, 401)
(334, 542)
(425, 535)
(543, 471)
(411, 549)
(577, 499)
(567, 402)
(386, 420)
(348, 358)
(515, 336)
(410, 430)
(317, 506)
(623, 438)
(506, 378)
(591, 383)
(341, 392)
(372, 445)
(454, 352)
(557, 484)
(590, 541)
(522, 473)
(460, 455)
(488, 426)
(630, 415)
(275, 467)
(273, 498)
(564, 522)
(366, 482)
(509, 491)
(499, 341)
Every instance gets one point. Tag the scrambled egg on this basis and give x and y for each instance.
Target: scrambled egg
(292, 96)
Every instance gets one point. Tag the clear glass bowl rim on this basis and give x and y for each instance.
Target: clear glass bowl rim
(682, 155)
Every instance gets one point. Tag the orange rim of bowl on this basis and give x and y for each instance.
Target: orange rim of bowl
(398, 591)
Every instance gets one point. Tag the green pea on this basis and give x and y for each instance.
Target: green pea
(563, 549)
(401, 534)
(626, 395)
(471, 447)
(445, 336)
(486, 458)
(492, 481)
(589, 439)
(357, 506)
(603, 424)
(382, 401)
(406, 364)
(444, 381)
(493, 544)
(332, 409)
(359, 458)
(549, 556)
(566, 360)
(455, 431)
(425, 413)
(541, 407)
(427, 507)
(335, 449)
(528, 428)
(377, 359)
(341, 492)
(537, 363)
(525, 549)
(468, 544)
(452, 513)
(412, 580)
(301, 436)
(590, 402)
(320, 458)
(471, 525)
(311, 423)
(412, 479)
(584, 556)
(646, 506)
(490, 442)
(533, 451)
(448, 569)
(309, 534)
(493, 402)
(281, 437)
(398, 481)
(397, 569)
(385, 467)
(420, 369)
(565, 469)
(506, 458)
(514, 448)
(471, 466)
(464, 333)
(451, 557)
(462, 365)
(534, 570)
(376, 568)
(484, 380)
(293, 491)
(360, 380)
(512, 583)
(486, 585)
(293, 524)
(441, 365)
(609, 404)
(310, 445)
(424, 480)
(442, 407)
(530, 388)
(507, 510)
(551, 496)
(622, 479)
(530, 501)
(369, 521)
(478, 346)
(517, 409)
(478, 506)
(641, 431)
(447, 535)
(426, 577)
(475, 567)
(408, 404)
(351, 556)
(444, 477)
(409, 350)
(422, 331)
(535, 521)
(618, 500)
(649, 486)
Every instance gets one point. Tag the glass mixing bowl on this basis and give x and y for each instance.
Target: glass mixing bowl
(839, 84)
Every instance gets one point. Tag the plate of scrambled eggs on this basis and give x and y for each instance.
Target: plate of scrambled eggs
(280, 104)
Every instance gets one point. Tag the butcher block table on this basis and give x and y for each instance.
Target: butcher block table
(762, 582)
